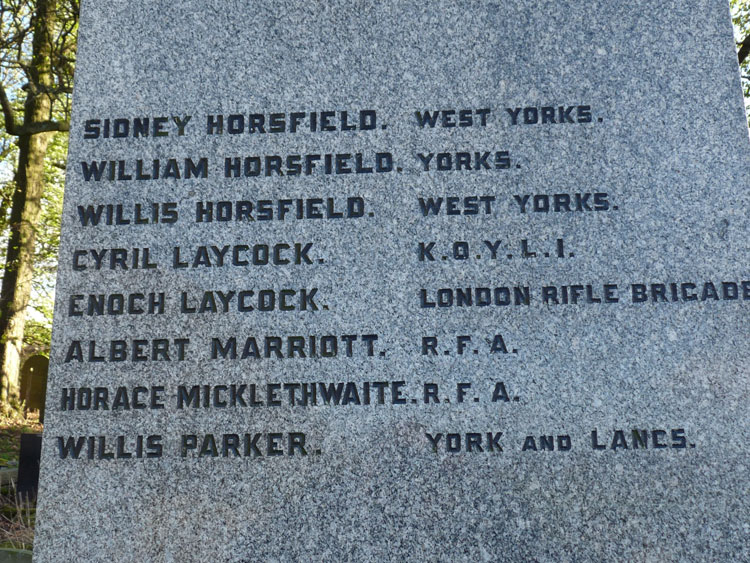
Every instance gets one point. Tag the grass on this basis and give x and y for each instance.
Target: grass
(17, 513)
(17, 519)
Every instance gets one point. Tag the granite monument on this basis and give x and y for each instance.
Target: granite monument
(402, 281)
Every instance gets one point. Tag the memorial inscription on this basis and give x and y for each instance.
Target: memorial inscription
(362, 282)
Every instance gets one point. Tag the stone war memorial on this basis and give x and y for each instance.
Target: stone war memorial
(402, 281)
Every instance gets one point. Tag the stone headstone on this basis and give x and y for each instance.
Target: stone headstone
(29, 456)
(453, 281)
(34, 383)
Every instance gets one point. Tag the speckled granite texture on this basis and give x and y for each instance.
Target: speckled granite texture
(363, 330)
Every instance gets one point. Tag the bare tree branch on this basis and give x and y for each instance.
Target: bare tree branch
(42, 127)
(8, 113)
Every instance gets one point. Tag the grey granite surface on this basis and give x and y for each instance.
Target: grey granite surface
(590, 404)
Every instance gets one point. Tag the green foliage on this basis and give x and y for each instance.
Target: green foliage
(18, 78)
(741, 20)
(37, 332)
(39, 319)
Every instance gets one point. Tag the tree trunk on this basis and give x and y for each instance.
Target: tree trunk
(19, 263)
(744, 49)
